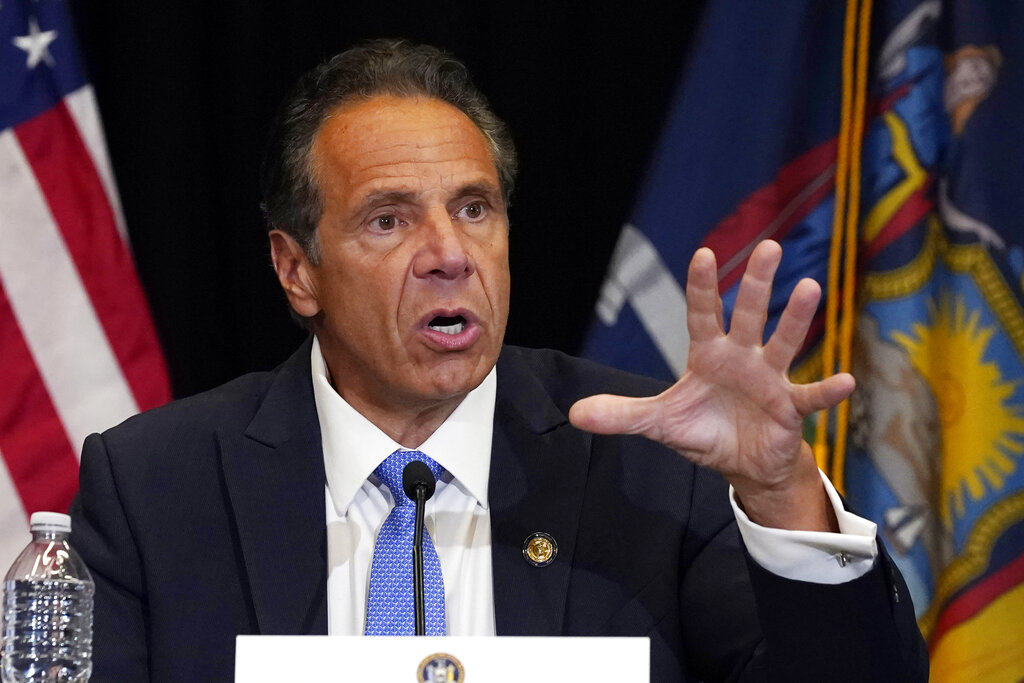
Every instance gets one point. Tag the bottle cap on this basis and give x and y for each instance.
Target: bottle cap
(50, 521)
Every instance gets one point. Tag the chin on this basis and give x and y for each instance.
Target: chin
(456, 379)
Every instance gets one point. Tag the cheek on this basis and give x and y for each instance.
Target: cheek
(502, 287)
(360, 301)
(499, 269)
(497, 282)
(379, 301)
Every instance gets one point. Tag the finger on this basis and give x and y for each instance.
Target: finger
(609, 414)
(790, 333)
(828, 393)
(751, 309)
(703, 305)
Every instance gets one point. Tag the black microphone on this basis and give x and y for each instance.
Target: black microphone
(418, 483)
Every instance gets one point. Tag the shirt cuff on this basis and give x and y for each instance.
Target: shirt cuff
(813, 556)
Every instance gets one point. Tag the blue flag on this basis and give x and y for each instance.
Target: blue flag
(934, 449)
(748, 153)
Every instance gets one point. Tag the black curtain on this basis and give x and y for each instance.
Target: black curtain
(186, 91)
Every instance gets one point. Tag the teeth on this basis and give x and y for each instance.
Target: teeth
(449, 329)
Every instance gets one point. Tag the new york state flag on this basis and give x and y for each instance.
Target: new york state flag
(926, 175)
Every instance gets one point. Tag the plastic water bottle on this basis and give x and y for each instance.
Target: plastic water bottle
(47, 623)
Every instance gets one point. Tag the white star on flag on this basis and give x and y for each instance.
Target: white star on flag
(36, 44)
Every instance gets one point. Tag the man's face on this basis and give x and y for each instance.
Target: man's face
(413, 283)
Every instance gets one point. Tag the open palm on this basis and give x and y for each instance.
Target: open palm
(734, 409)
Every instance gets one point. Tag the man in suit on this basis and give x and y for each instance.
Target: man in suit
(694, 515)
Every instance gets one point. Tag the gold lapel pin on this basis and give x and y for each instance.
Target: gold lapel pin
(540, 549)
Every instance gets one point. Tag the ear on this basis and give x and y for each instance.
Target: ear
(295, 273)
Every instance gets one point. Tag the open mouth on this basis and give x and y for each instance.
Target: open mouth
(448, 325)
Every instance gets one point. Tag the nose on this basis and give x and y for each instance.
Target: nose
(443, 254)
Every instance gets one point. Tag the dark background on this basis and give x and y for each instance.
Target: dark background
(186, 91)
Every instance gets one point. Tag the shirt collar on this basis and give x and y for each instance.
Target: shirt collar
(353, 446)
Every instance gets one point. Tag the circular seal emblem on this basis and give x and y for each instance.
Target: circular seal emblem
(540, 549)
(440, 667)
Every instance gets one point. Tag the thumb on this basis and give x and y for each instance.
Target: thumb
(610, 414)
(824, 394)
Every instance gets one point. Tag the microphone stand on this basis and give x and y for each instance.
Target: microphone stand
(417, 562)
(418, 484)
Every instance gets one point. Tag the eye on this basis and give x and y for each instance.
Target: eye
(473, 211)
(386, 223)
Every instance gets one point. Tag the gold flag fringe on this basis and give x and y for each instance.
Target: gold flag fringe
(840, 303)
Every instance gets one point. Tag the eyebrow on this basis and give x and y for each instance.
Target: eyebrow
(386, 197)
(486, 189)
(483, 188)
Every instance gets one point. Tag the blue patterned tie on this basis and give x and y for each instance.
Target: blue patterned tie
(389, 610)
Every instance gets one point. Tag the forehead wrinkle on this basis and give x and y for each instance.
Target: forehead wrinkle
(402, 154)
(394, 177)
(383, 133)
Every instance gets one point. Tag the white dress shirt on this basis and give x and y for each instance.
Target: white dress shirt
(456, 516)
(459, 520)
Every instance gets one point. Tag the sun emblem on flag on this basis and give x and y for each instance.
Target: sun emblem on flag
(982, 433)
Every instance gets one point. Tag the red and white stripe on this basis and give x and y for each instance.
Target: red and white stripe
(78, 351)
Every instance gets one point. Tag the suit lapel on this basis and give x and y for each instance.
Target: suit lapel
(538, 474)
(274, 475)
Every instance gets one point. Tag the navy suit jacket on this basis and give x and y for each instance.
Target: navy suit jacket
(205, 519)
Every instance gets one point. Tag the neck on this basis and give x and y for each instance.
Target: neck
(408, 426)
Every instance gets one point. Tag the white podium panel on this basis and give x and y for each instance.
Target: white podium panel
(330, 659)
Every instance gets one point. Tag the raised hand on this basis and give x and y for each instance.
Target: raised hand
(734, 409)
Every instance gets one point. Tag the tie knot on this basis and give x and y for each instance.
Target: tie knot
(390, 472)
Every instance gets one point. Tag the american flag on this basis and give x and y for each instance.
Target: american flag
(78, 351)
